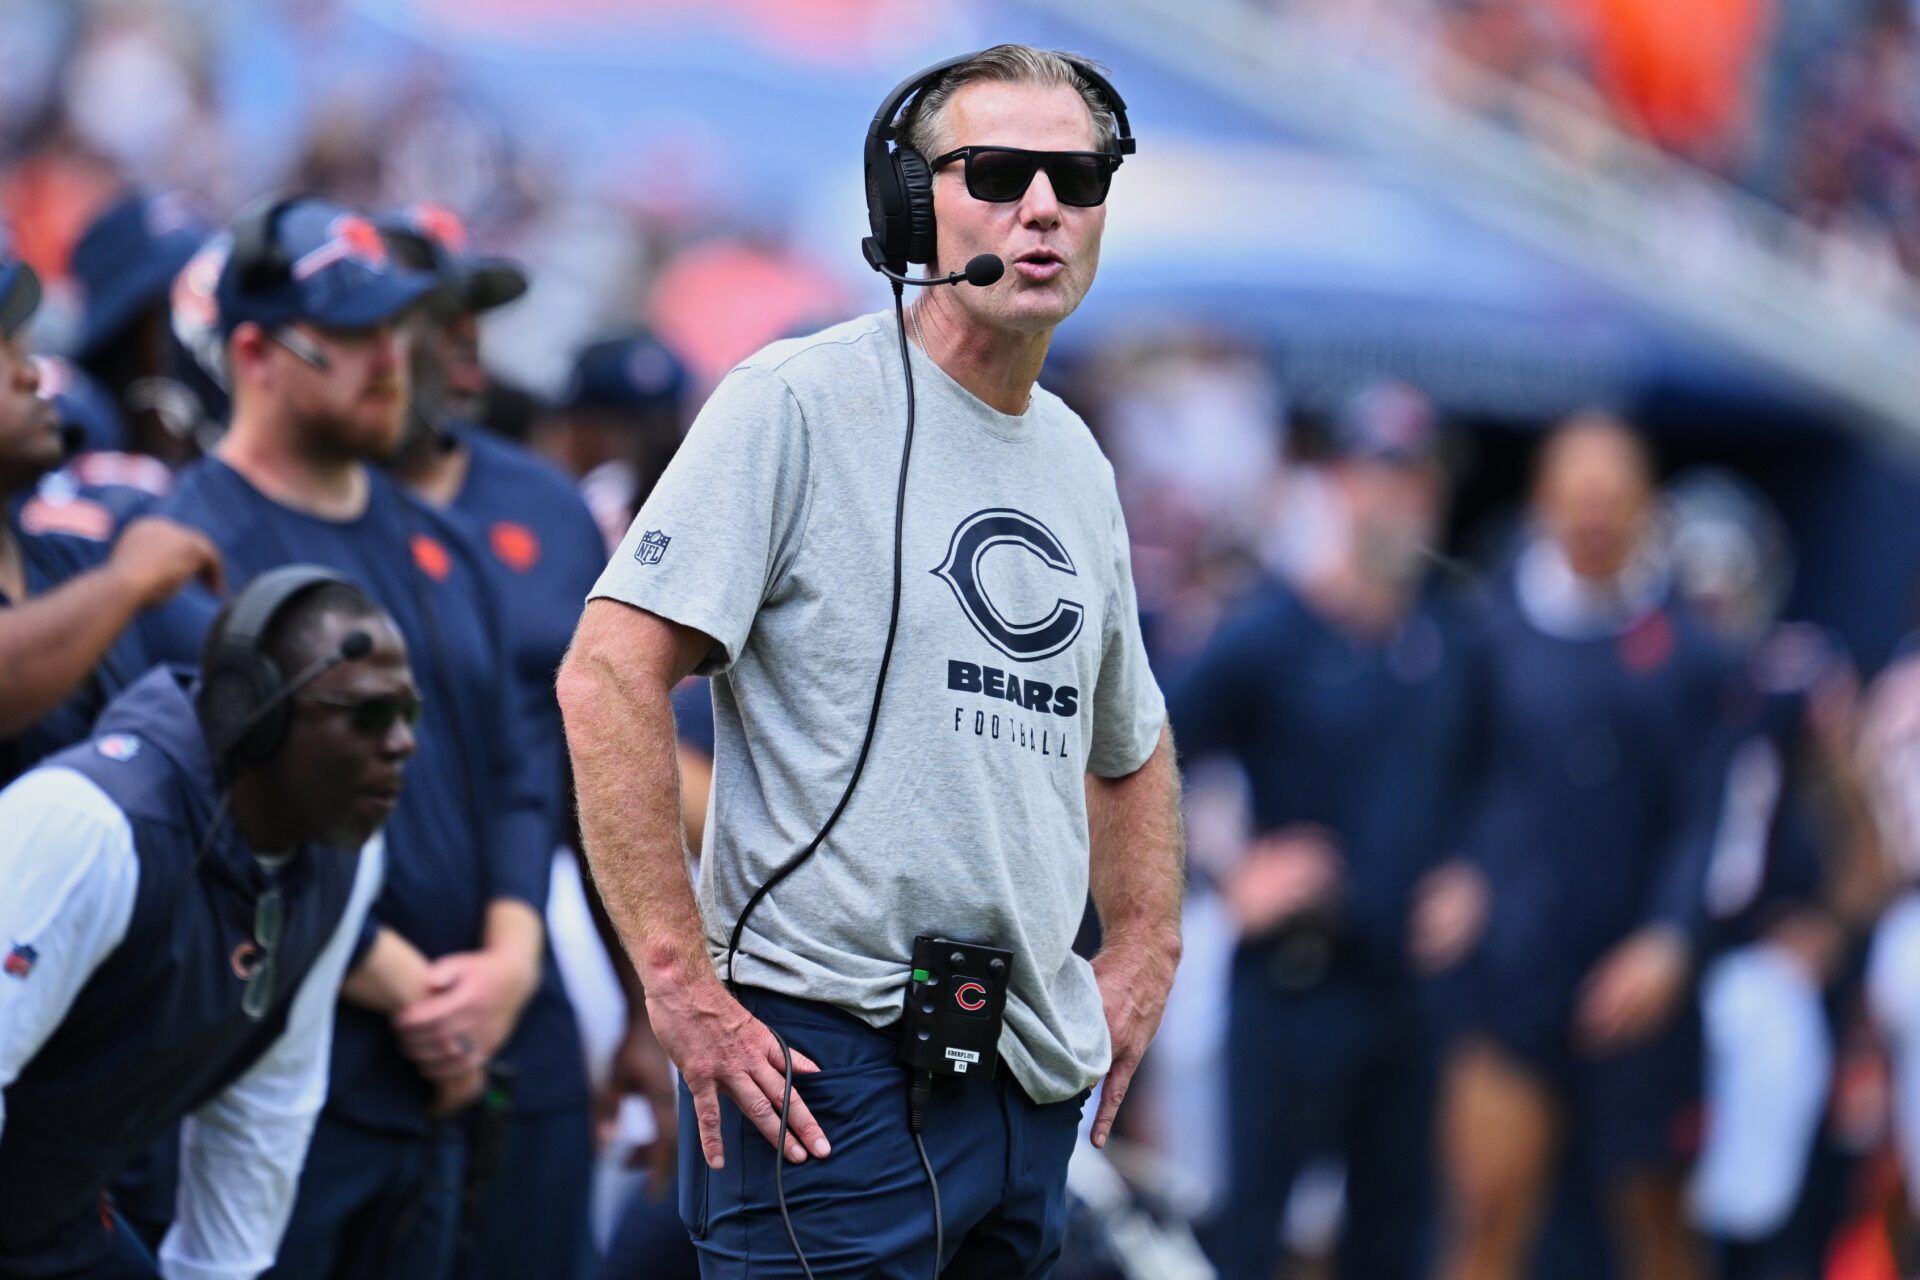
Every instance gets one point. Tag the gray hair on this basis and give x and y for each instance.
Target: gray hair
(924, 126)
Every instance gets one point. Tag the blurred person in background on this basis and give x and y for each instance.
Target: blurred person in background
(76, 620)
(183, 897)
(1891, 749)
(1794, 881)
(543, 552)
(1343, 691)
(1577, 1037)
(615, 428)
(308, 309)
(618, 424)
(124, 264)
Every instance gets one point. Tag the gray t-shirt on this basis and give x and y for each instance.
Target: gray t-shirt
(1018, 668)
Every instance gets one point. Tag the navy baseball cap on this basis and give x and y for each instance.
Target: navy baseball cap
(1387, 422)
(311, 259)
(636, 371)
(126, 259)
(432, 237)
(87, 412)
(19, 291)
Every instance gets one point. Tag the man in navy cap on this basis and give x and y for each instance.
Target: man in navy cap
(1343, 689)
(616, 428)
(542, 550)
(183, 895)
(124, 263)
(618, 425)
(308, 306)
(75, 626)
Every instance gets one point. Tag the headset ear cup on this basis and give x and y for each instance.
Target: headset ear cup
(222, 705)
(883, 193)
(229, 696)
(265, 738)
(916, 187)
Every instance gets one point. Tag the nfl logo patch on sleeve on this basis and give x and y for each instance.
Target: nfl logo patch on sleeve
(20, 960)
(653, 545)
(118, 746)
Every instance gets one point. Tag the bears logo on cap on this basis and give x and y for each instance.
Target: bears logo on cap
(442, 225)
(350, 238)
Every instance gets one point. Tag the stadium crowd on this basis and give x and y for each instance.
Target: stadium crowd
(1553, 898)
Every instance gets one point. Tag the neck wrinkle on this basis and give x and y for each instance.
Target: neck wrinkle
(1000, 369)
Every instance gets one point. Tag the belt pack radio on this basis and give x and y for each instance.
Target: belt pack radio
(956, 1001)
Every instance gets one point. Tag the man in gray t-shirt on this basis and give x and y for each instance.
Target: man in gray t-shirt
(1020, 756)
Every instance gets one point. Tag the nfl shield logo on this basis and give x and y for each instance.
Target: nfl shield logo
(118, 746)
(653, 545)
(20, 960)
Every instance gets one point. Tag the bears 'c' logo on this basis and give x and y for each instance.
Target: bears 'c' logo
(971, 998)
(979, 533)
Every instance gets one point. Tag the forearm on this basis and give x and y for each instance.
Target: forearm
(1137, 861)
(515, 932)
(50, 643)
(623, 969)
(391, 976)
(1861, 877)
(620, 728)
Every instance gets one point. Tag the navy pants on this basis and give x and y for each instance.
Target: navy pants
(532, 1218)
(1341, 1069)
(375, 1206)
(96, 1245)
(865, 1212)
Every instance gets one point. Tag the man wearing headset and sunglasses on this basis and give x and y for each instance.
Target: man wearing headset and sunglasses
(183, 893)
(1018, 760)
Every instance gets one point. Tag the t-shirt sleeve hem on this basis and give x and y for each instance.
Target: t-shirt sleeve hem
(1140, 749)
(686, 613)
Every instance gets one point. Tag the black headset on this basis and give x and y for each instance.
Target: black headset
(258, 260)
(244, 700)
(900, 181)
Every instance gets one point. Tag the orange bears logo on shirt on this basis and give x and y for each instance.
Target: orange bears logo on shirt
(517, 546)
(1647, 644)
(431, 557)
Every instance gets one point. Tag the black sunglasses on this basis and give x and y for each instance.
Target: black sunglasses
(375, 715)
(269, 921)
(1000, 175)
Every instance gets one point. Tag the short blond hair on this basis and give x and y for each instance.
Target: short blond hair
(925, 125)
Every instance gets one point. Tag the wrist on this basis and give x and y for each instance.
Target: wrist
(129, 583)
(671, 970)
(1671, 937)
(519, 970)
(1143, 941)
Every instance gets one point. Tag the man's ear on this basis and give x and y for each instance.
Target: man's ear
(247, 350)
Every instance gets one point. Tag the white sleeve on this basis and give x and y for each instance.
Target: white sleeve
(68, 878)
(241, 1153)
